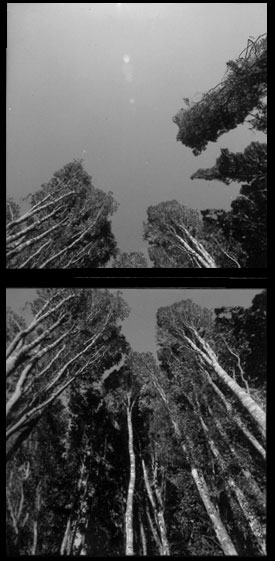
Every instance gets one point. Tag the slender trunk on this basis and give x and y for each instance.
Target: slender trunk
(142, 536)
(258, 495)
(12, 449)
(37, 509)
(162, 525)
(34, 546)
(154, 531)
(131, 487)
(158, 512)
(65, 537)
(256, 527)
(220, 531)
(256, 445)
(203, 349)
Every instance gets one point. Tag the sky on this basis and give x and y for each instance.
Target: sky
(139, 328)
(103, 81)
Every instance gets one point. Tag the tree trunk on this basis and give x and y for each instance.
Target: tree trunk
(253, 441)
(162, 525)
(208, 356)
(250, 482)
(158, 512)
(220, 531)
(154, 531)
(257, 529)
(34, 546)
(65, 537)
(142, 536)
(131, 486)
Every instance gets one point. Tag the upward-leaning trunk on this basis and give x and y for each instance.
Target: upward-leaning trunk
(131, 487)
(224, 539)
(65, 537)
(220, 531)
(142, 535)
(158, 511)
(207, 355)
(234, 417)
(257, 529)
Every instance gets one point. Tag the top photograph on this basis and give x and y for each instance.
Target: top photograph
(136, 136)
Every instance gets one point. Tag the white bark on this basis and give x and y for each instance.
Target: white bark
(256, 527)
(22, 265)
(154, 531)
(71, 245)
(143, 537)
(37, 208)
(204, 351)
(235, 418)
(65, 537)
(37, 320)
(220, 530)
(20, 247)
(158, 511)
(131, 487)
(22, 233)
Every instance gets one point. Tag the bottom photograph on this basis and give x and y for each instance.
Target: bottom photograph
(136, 422)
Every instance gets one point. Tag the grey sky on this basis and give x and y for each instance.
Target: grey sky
(103, 81)
(139, 328)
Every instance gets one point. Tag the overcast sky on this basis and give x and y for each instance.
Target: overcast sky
(139, 328)
(103, 81)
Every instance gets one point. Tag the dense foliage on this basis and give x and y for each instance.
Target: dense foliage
(178, 238)
(221, 109)
(135, 457)
(67, 226)
(133, 260)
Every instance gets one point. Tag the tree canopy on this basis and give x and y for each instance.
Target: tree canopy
(67, 226)
(178, 238)
(133, 260)
(241, 91)
(136, 455)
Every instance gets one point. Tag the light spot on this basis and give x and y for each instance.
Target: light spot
(9, 108)
(132, 100)
(126, 59)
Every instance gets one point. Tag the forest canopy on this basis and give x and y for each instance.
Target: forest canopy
(116, 452)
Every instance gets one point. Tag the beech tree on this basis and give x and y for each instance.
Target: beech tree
(67, 226)
(177, 239)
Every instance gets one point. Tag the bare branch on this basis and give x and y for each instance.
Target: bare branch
(237, 356)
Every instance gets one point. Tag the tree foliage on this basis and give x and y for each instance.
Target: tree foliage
(224, 107)
(244, 224)
(144, 456)
(133, 260)
(74, 333)
(67, 226)
(178, 238)
(246, 166)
